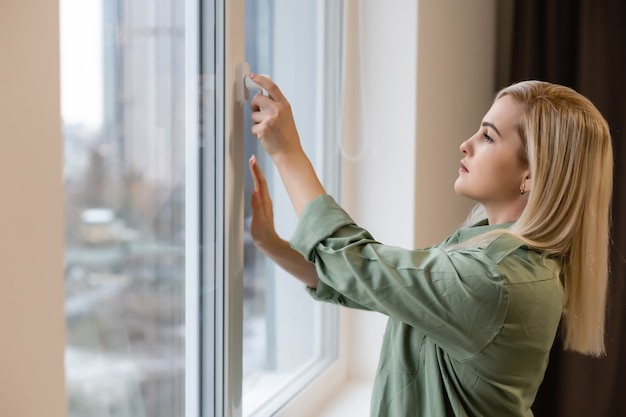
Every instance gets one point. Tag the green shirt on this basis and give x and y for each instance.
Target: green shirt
(469, 330)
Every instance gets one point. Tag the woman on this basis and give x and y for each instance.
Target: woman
(471, 320)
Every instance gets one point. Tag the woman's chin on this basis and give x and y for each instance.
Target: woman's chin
(458, 187)
(463, 192)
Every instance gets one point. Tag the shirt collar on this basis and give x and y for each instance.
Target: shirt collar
(479, 228)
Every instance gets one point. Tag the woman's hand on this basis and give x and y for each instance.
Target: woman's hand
(262, 226)
(264, 234)
(275, 128)
(273, 122)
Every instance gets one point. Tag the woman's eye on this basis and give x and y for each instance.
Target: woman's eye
(487, 137)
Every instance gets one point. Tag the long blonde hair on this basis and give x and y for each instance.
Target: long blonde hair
(569, 151)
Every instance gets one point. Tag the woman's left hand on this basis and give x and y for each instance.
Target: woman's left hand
(262, 228)
(273, 122)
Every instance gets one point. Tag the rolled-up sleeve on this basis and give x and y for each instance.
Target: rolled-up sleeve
(458, 298)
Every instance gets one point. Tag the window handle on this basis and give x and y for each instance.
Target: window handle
(246, 85)
(250, 85)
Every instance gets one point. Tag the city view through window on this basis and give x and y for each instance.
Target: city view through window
(124, 176)
(125, 109)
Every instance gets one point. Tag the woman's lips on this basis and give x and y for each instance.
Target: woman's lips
(463, 168)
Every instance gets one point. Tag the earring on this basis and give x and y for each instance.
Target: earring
(521, 189)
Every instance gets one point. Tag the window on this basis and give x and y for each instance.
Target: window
(287, 336)
(151, 265)
(124, 176)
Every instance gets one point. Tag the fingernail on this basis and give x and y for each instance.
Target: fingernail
(252, 75)
(253, 158)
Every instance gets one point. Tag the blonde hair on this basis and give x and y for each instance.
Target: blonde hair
(567, 217)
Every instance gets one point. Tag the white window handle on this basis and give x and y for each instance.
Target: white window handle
(246, 85)
(250, 85)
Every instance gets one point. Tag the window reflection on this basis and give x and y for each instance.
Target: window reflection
(283, 333)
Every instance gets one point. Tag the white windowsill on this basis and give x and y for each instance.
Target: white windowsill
(352, 399)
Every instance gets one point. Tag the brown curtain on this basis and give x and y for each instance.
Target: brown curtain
(581, 44)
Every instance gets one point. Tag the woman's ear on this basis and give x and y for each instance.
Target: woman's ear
(527, 183)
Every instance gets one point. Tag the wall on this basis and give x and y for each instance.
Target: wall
(31, 234)
(429, 81)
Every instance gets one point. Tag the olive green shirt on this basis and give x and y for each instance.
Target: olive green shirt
(469, 330)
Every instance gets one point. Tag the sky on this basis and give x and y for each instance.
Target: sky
(81, 62)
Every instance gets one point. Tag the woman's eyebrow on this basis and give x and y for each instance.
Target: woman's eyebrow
(491, 125)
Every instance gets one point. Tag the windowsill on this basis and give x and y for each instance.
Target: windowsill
(267, 391)
(352, 399)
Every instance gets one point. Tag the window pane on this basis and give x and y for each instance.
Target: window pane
(284, 334)
(124, 175)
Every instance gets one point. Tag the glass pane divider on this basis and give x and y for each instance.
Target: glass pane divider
(193, 88)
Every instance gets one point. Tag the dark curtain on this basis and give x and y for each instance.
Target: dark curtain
(581, 44)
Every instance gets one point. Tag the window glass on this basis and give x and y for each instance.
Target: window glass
(124, 176)
(135, 216)
(286, 339)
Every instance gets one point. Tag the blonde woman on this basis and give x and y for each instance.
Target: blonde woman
(472, 320)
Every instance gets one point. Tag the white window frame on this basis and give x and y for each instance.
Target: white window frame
(214, 211)
(229, 143)
(193, 346)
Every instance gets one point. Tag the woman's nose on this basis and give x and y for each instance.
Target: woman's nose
(464, 146)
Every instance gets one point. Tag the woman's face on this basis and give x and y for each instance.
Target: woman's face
(493, 169)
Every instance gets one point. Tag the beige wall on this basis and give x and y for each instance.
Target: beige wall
(31, 278)
(455, 87)
(429, 81)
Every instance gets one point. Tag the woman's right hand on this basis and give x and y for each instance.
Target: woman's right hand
(275, 128)
(262, 226)
(273, 122)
